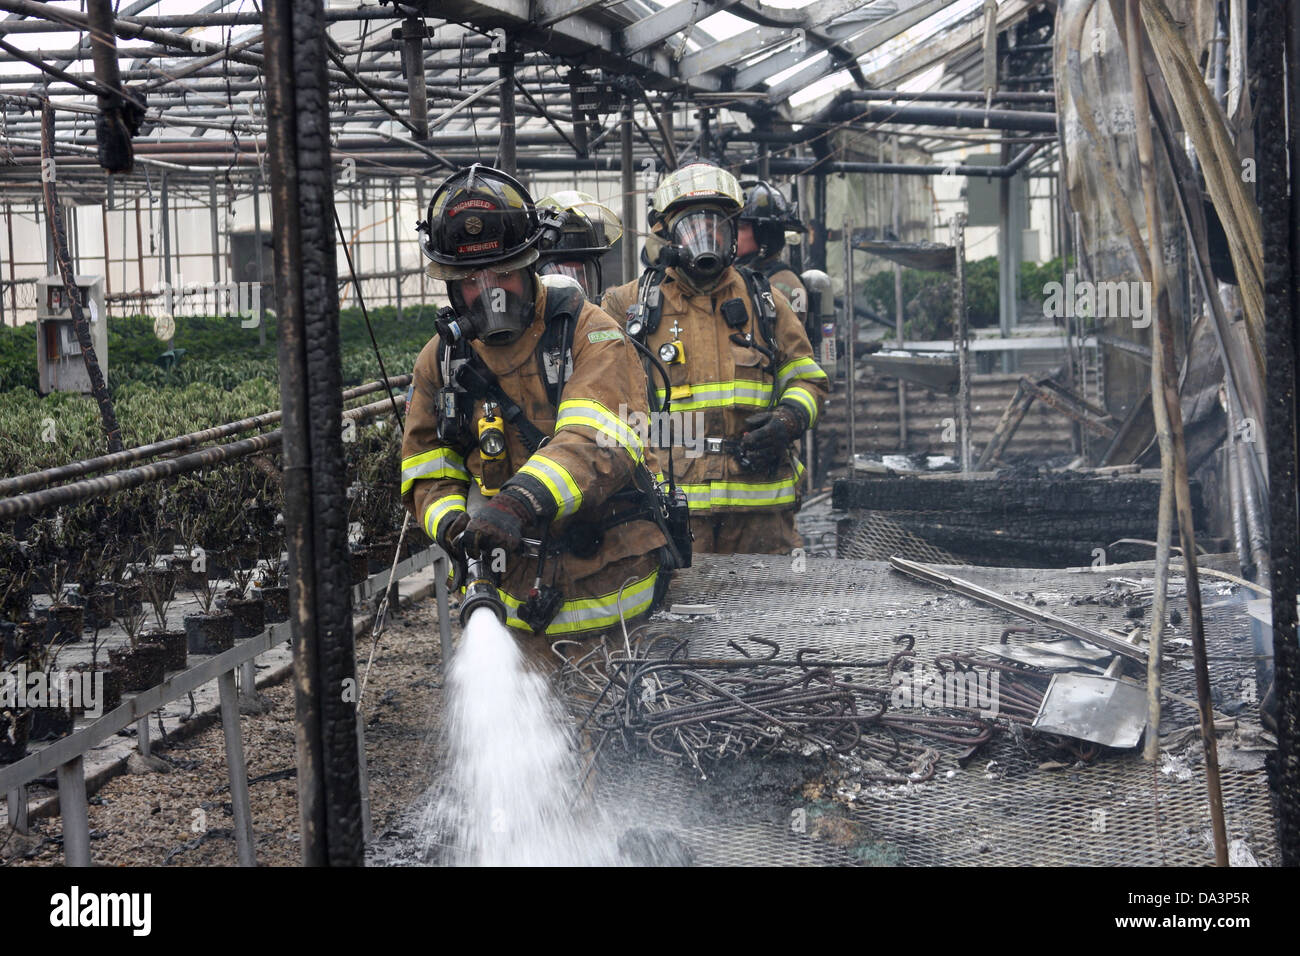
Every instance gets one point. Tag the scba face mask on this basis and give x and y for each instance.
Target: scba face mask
(707, 240)
(496, 307)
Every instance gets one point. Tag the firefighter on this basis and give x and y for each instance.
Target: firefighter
(513, 429)
(738, 363)
(761, 238)
(583, 232)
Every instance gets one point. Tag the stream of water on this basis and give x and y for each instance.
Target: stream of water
(509, 787)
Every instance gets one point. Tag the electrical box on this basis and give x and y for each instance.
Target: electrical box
(59, 363)
(245, 245)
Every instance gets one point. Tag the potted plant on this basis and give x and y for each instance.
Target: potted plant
(55, 718)
(15, 731)
(272, 586)
(249, 612)
(142, 665)
(112, 675)
(212, 631)
(160, 592)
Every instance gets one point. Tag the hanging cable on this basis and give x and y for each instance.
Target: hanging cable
(365, 314)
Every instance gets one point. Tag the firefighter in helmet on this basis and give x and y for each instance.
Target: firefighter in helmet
(763, 227)
(582, 231)
(737, 361)
(513, 432)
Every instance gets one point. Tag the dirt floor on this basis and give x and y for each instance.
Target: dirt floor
(183, 817)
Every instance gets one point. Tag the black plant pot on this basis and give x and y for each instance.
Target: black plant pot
(187, 579)
(360, 566)
(65, 624)
(250, 617)
(51, 723)
(277, 603)
(210, 633)
(218, 565)
(380, 553)
(141, 668)
(175, 643)
(15, 731)
(110, 696)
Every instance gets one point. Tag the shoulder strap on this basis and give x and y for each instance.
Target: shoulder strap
(650, 303)
(563, 307)
(479, 381)
(760, 291)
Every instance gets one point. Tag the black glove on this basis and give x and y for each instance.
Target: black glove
(449, 531)
(500, 524)
(769, 434)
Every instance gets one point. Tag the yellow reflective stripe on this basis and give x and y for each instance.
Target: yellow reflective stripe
(558, 481)
(439, 463)
(440, 508)
(732, 494)
(597, 416)
(590, 614)
(800, 394)
(804, 367)
(747, 392)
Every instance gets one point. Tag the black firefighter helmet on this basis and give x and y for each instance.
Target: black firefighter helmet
(483, 228)
(771, 215)
(480, 218)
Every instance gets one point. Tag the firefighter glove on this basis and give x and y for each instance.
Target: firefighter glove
(769, 434)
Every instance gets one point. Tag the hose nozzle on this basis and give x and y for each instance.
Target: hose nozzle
(480, 591)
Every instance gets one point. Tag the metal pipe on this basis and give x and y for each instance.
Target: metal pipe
(413, 37)
(851, 340)
(629, 196)
(194, 20)
(896, 219)
(506, 113)
(397, 246)
(846, 108)
(260, 243)
(216, 245)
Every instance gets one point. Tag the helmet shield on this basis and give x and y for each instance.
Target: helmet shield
(589, 227)
(708, 239)
(496, 307)
(586, 272)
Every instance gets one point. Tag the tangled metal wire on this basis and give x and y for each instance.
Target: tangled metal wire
(703, 710)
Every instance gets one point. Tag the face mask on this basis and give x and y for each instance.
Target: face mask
(584, 273)
(707, 238)
(494, 312)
